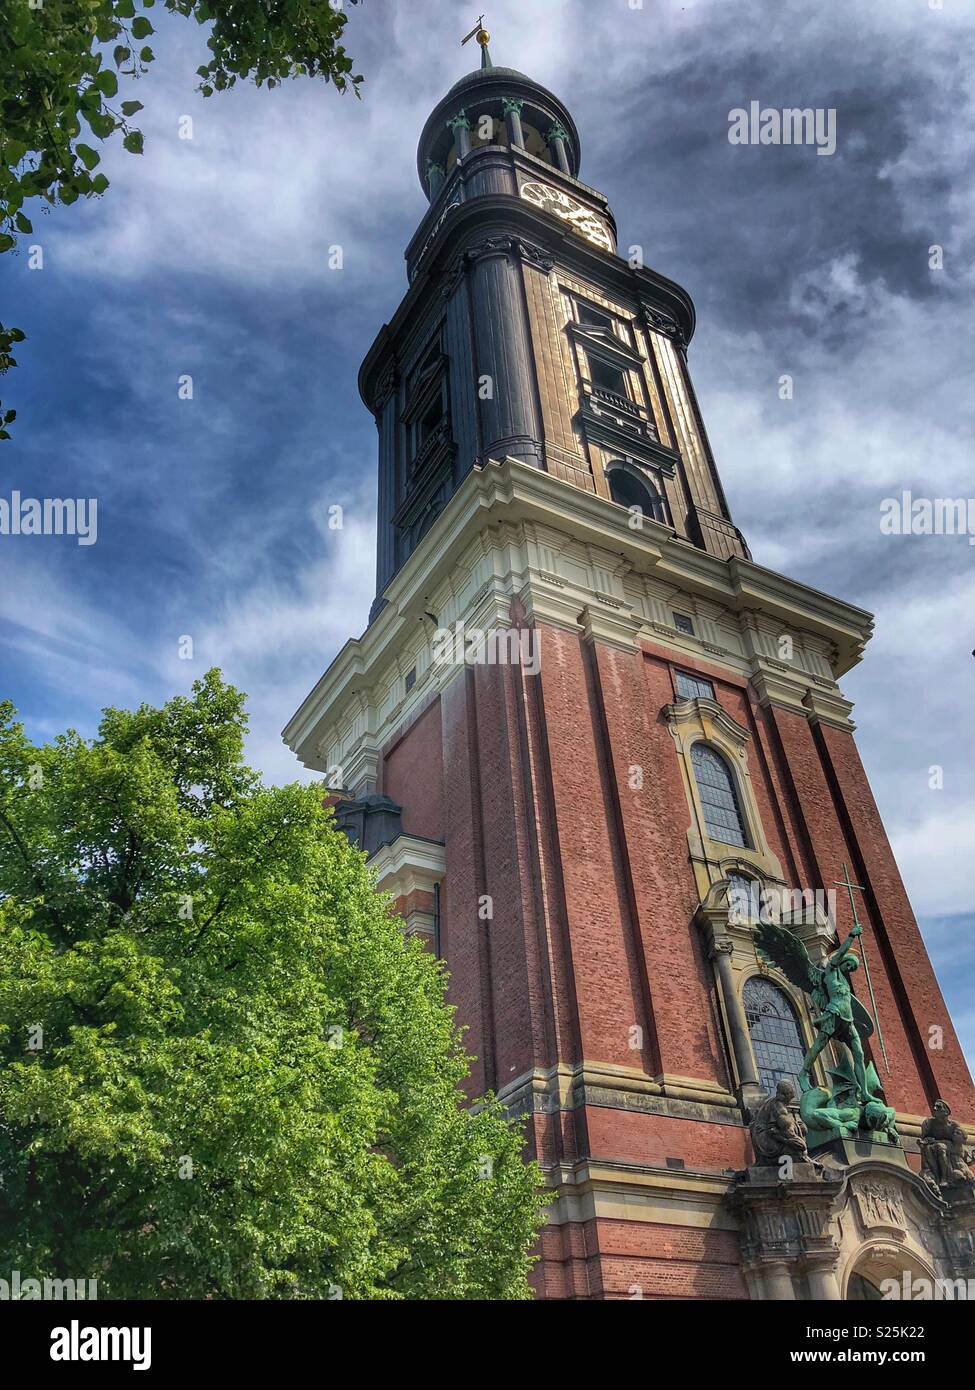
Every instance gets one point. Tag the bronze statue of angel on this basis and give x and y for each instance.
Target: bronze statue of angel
(841, 1015)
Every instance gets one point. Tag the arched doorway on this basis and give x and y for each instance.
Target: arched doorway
(862, 1289)
(889, 1272)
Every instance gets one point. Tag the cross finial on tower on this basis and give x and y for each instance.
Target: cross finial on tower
(483, 37)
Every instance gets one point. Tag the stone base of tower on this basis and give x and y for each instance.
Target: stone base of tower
(608, 1259)
(860, 1225)
(641, 1207)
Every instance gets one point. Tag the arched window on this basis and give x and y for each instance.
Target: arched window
(743, 896)
(719, 800)
(630, 491)
(776, 1040)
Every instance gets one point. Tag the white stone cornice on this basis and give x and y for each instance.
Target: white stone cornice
(515, 532)
(813, 698)
(409, 865)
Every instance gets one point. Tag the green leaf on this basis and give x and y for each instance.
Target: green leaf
(133, 142)
(121, 55)
(101, 125)
(6, 242)
(87, 155)
(129, 108)
(99, 183)
(141, 28)
(146, 54)
(23, 223)
(107, 83)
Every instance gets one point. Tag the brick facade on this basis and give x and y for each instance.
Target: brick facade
(593, 897)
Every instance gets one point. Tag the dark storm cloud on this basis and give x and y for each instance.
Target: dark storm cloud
(769, 213)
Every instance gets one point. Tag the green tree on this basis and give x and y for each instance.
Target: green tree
(224, 1070)
(60, 64)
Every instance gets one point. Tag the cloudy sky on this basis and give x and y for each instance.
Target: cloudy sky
(209, 256)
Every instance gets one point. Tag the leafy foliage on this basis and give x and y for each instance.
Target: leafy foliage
(224, 1071)
(60, 65)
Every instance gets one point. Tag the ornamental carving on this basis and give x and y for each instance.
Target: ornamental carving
(385, 387)
(495, 246)
(879, 1204)
(663, 322)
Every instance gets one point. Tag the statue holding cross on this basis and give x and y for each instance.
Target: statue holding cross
(846, 883)
(855, 1102)
(841, 1015)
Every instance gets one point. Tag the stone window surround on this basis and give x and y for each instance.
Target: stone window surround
(704, 721)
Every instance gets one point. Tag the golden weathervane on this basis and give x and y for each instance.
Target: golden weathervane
(478, 32)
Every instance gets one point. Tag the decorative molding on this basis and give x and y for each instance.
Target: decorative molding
(696, 714)
(495, 246)
(531, 535)
(663, 321)
(385, 387)
(455, 203)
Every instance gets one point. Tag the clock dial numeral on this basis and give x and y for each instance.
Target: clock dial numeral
(580, 219)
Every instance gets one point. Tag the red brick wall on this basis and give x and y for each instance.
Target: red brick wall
(632, 1136)
(650, 824)
(593, 895)
(608, 1259)
(412, 774)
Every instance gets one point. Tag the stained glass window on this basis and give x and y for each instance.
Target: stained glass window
(722, 814)
(776, 1040)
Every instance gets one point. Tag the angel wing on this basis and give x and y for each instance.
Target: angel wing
(782, 948)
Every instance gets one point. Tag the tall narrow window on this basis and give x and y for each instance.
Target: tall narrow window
(776, 1040)
(719, 800)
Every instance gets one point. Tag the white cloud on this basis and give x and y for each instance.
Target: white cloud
(934, 857)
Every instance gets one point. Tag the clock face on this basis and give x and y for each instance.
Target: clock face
(581, 219)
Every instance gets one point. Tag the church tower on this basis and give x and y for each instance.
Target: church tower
(593, 750)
